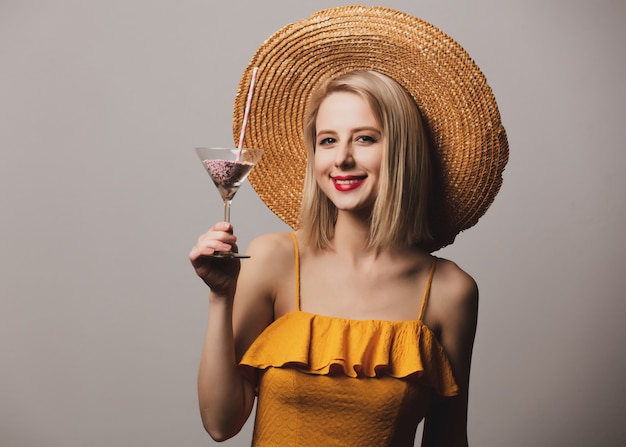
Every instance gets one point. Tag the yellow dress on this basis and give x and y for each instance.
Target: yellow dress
(326, 381)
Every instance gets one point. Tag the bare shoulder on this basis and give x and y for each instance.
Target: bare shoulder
(270, 255)
(454, 283)
(276, 243)
(454, 294)
(272, 247)
(259, 283)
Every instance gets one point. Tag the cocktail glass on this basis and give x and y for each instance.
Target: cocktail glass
(228, 169)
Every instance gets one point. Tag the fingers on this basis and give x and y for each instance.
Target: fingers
(219, 238)
(220, 274)
(223, 226)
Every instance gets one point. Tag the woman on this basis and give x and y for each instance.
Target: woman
(349, 331)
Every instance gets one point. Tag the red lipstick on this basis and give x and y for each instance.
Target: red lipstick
(347, 182)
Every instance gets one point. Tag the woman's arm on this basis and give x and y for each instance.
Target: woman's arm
(454, 311)
(225, 397)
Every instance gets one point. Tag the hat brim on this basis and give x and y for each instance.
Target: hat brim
(469, 144)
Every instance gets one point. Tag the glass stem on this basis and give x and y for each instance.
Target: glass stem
(227, 210)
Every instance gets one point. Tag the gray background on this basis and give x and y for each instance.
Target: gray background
(102, 318)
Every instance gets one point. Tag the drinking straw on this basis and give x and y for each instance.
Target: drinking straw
(247, 111)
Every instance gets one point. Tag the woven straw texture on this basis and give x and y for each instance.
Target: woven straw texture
(470, 148)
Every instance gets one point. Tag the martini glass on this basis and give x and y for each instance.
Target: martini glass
(228, 169)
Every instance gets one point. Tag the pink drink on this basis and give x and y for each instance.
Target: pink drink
(227, 175)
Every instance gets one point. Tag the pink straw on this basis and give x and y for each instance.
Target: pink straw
(247, 112)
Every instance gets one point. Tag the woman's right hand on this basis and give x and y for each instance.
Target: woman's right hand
(220, 274)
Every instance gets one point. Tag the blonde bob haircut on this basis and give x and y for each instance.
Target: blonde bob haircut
(400, 213)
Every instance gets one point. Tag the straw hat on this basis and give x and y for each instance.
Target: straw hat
(469, 143)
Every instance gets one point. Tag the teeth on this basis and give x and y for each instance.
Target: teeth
(347, 182)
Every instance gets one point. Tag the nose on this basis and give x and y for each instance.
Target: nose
(343, 156)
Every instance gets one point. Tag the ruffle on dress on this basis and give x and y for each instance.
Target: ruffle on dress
(317, 344)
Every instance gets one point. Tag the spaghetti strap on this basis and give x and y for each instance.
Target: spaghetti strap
(427, 290)
(297, 263)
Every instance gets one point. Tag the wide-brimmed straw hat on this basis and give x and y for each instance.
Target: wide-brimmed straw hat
(469, 144)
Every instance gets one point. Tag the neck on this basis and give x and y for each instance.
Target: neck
(351, 236)
(350, 239)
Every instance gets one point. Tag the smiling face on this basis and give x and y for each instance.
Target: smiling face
(348, 152)
(367, 152)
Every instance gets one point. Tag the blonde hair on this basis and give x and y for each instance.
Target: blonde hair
(400, 213)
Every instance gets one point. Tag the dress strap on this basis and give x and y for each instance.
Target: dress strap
(297, 263)
(427, 290)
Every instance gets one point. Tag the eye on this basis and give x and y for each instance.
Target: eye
(366, 139)
(326, 141)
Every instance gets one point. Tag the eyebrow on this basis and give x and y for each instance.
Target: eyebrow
(355, 130)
